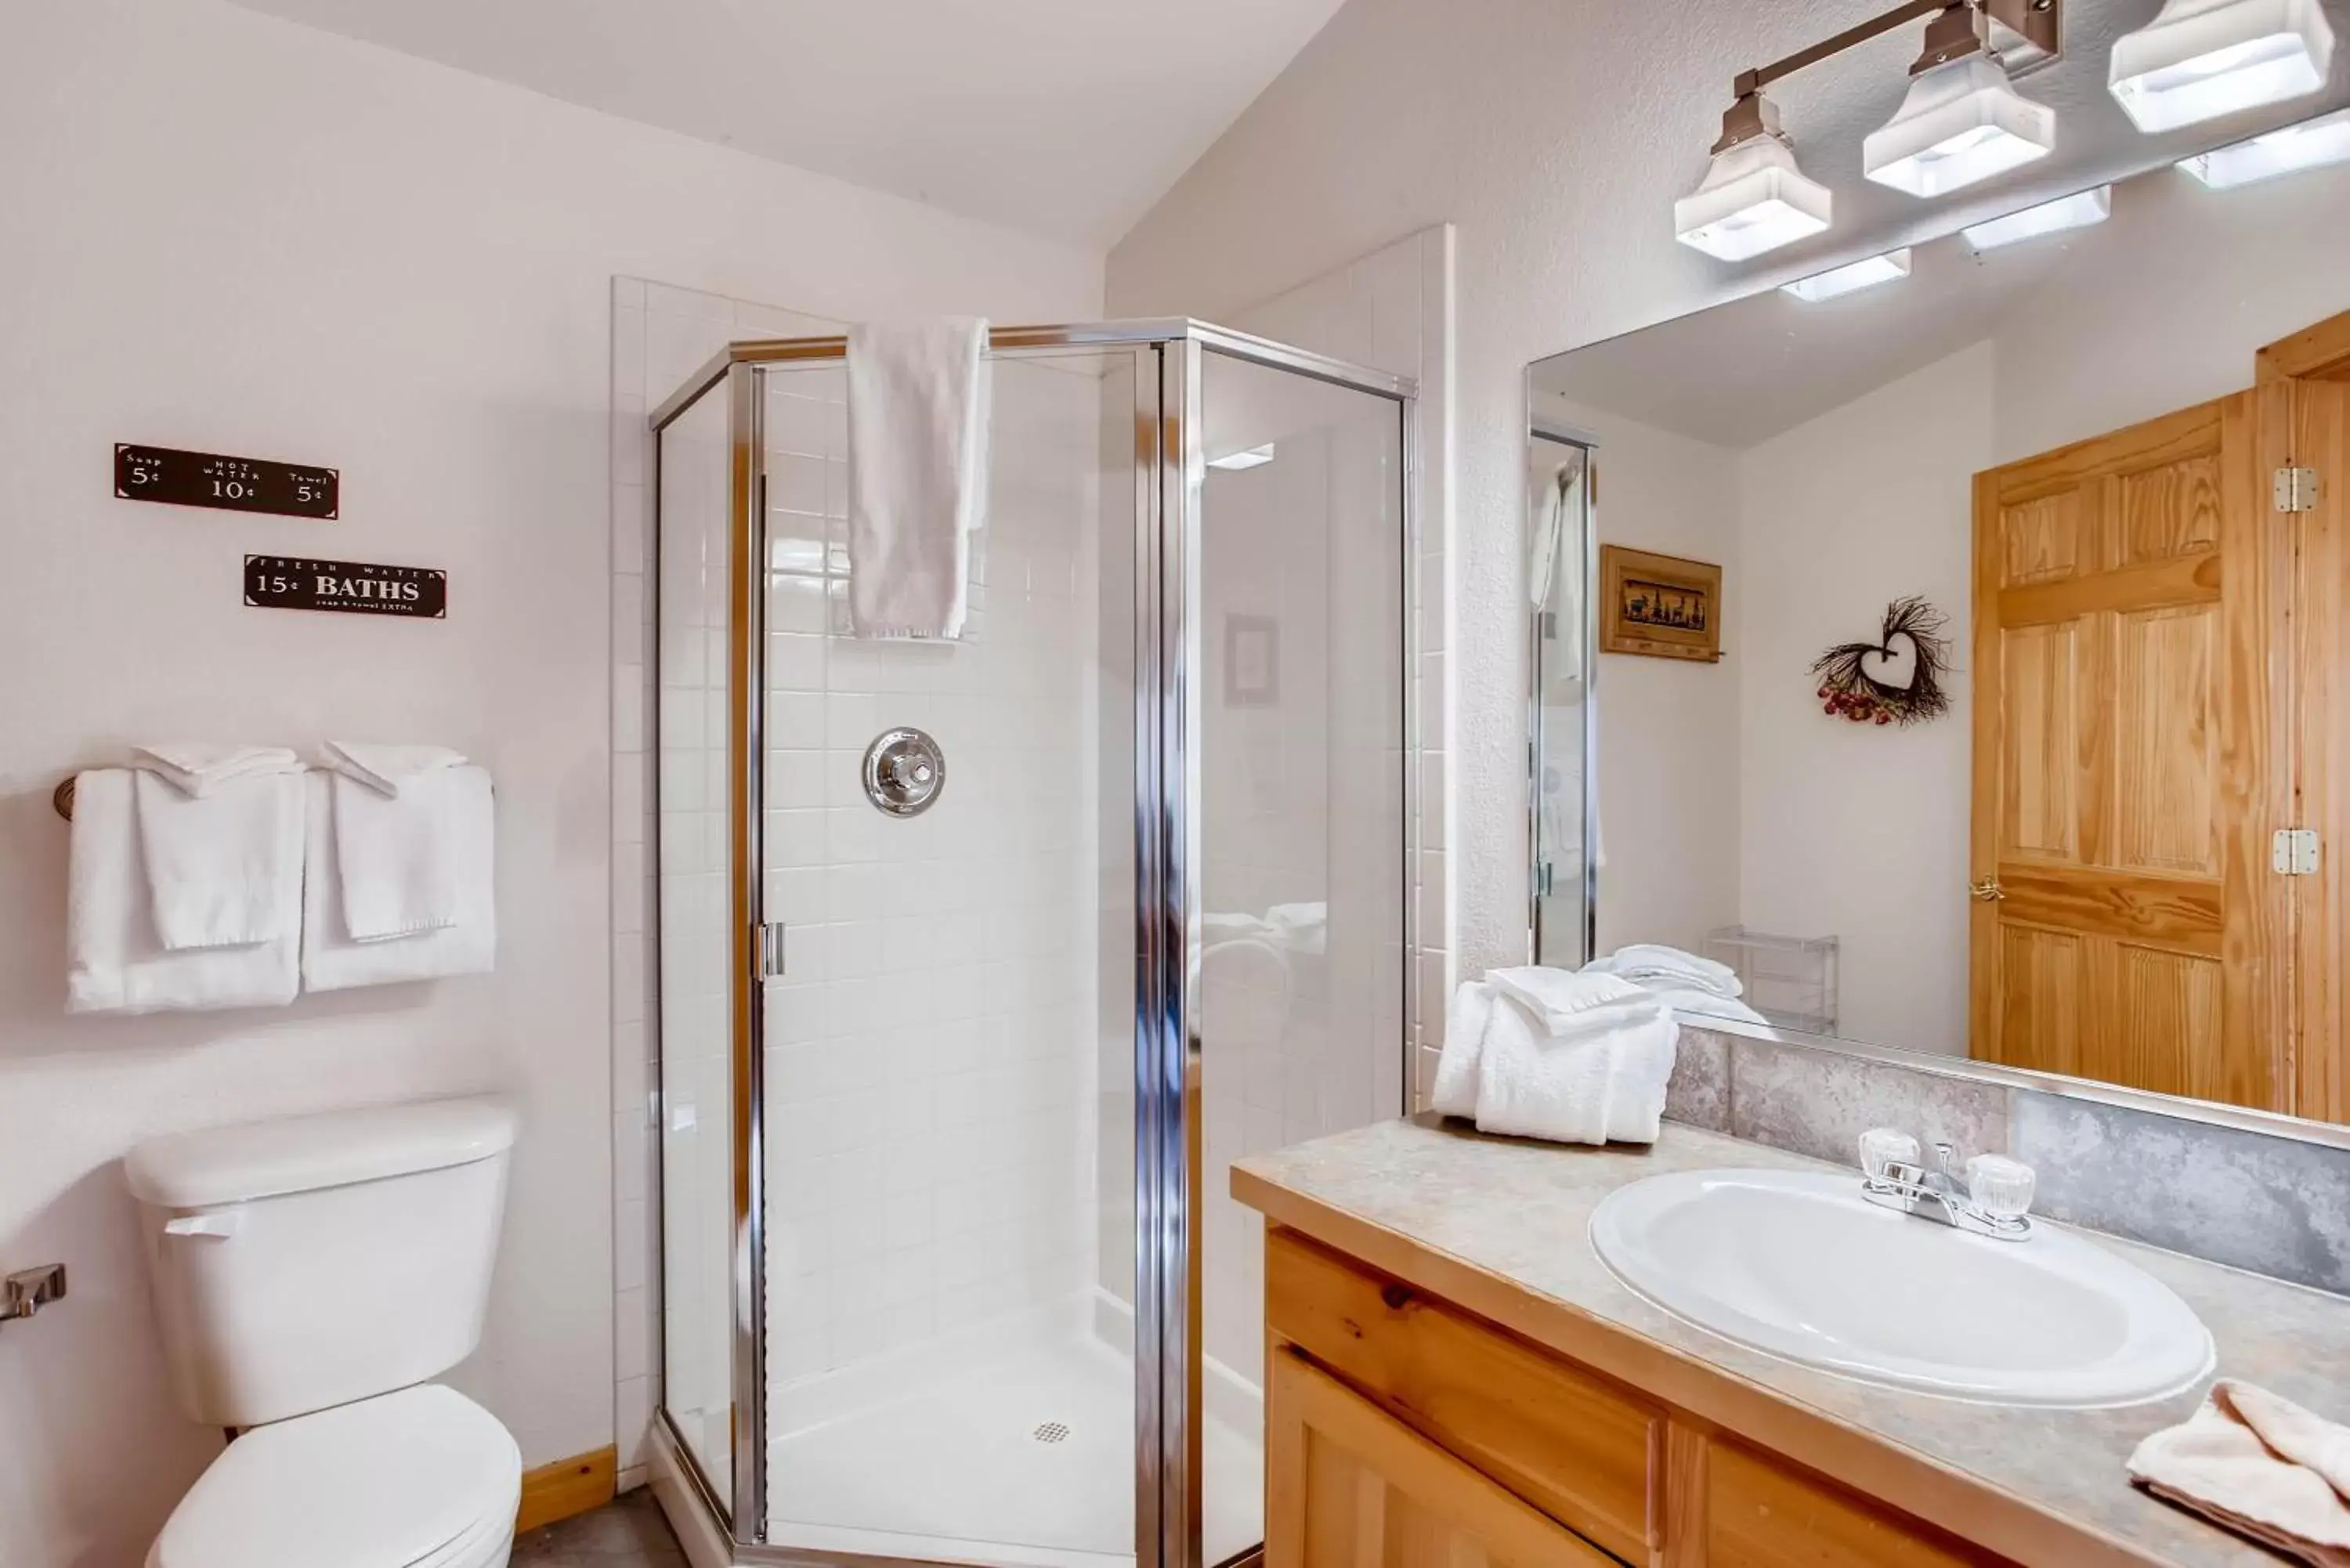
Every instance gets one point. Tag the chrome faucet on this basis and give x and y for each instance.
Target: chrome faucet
(1989, 1196)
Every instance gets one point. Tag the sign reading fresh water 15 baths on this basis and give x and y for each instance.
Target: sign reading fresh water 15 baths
(230, 483)
(297, 582)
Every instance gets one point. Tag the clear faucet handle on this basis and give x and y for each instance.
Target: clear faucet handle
(1881, 1147)
(1999, 1187)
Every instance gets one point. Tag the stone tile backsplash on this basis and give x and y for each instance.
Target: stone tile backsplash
(2270, 1205)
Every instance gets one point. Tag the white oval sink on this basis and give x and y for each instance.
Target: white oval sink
(1799, 1265)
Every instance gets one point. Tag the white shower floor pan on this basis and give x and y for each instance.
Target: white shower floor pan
(1010, 1446)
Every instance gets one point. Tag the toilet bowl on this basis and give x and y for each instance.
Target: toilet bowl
(423, 1478)
(310, 1276)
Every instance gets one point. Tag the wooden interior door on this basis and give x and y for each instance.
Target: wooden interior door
(2127, 765)
(1349, 1486)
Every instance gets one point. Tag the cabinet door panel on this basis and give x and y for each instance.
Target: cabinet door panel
(1349, 1486)
(1759, 1515)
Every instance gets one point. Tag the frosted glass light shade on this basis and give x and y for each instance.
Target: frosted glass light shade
(1961, 122)
(2077, 211)
(2200, 59)
(1753, 199)
(2312, 144)
(1859, 274)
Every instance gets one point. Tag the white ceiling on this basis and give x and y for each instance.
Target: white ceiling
(1062, 118)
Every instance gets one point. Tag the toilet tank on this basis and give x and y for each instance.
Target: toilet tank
(319, 1259)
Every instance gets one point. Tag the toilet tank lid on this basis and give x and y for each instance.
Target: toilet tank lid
(304, 1154)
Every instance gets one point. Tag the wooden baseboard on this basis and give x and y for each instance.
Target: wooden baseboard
(568, 1486)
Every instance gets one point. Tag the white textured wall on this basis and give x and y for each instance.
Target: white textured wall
(227, 233)
(1850, 830)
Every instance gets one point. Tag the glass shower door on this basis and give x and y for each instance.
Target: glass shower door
(948, 1055)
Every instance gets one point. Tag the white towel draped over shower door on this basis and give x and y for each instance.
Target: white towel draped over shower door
(918, 427)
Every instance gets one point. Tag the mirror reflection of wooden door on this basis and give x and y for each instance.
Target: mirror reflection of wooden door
(2306, 425)
(2128, 766)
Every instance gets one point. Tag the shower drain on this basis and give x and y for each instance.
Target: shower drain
(1050, 1432)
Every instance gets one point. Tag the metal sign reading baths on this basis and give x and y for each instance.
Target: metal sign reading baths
(297, 582)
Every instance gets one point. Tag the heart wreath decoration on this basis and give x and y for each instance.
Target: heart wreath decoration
(1897, 678)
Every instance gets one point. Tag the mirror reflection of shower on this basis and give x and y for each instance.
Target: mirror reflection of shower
(1559, 549)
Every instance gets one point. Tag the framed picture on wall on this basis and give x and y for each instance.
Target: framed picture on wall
(1662, 607)
(1252, 662)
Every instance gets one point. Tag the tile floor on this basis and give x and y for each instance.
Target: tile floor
(627, 1533)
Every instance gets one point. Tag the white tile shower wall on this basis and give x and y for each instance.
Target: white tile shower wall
(930, 1071)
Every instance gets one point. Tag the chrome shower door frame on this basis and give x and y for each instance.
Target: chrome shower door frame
(1169, 476)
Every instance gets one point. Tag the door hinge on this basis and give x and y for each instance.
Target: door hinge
(2294, 852)
(2296, 489)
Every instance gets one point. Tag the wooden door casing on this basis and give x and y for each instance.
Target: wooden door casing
(2123, 741)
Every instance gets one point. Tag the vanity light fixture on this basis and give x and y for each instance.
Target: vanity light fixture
(2200, 59)
(1889, 267)
(1961, 122)
(2312, 144)
(2077, 211)
(1255, 457)
(1754, 197)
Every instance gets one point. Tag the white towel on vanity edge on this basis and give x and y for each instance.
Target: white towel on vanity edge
(333, 961)
(1598, 1077)
(400, 850)
(115, 961)
(918, 432)
(220, 843)
(1668, 968)
(2259, 1465)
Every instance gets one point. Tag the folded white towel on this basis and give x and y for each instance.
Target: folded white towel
(385, 769)
(399, 858)
(199, 767)
(115, 962)
(218, 865)
(1653, 963)
(1560, 999)
(918, 432)
(2259, 1465)
(1466, 1017)
(1601, 1078)
(331, 961)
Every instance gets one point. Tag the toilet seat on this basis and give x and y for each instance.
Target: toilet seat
(423, 1477)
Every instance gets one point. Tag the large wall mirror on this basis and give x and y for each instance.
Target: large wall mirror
(1958, 647)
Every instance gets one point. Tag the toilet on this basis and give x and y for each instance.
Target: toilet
(311, 1275)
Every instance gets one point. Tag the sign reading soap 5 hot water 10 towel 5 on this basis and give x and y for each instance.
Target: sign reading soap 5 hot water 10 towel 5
(299, 582)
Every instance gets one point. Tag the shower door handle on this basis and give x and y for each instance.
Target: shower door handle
(771, 951)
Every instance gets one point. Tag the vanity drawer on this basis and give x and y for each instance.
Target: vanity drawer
(1759, 1513)
(1584, 1450)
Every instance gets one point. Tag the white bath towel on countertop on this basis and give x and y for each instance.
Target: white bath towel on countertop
(217, 864)
(385, 769)
(114, 961)
(2259, 1465)
(918, 432)
(200, 767)
(331, 961)
(1601, 1078)
(1559, 999)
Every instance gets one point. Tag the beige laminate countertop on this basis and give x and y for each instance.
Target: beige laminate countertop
(1419, 1199)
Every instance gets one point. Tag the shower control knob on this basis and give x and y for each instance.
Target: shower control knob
(904, 771)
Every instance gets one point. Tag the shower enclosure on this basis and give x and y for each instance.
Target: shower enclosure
(979, 961)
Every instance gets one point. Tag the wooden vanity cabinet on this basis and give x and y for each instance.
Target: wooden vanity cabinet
(1402, 1431)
